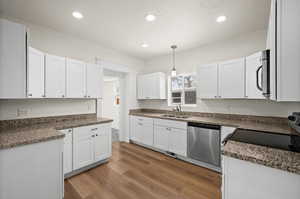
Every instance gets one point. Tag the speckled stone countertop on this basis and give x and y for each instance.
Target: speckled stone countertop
(34, 133)
(275, 158)
(257, 123)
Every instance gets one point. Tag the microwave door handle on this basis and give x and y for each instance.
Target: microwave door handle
(257, 78)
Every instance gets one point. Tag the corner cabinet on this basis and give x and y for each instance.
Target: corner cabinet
(151, 86)
(91, 144)
(141, 130)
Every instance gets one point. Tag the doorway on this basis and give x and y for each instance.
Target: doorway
(111, 103)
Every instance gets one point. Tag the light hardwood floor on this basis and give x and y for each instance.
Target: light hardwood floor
(138, 173)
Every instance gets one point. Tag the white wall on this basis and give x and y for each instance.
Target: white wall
(61, 44)
(187, 61)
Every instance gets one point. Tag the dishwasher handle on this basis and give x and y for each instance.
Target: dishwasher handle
(204, 126)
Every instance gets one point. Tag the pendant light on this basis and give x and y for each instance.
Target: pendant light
(173, 73)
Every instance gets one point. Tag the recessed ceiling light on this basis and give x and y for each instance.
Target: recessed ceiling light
(77, 15)
(221, 19)
(144, 45)
(150, 17)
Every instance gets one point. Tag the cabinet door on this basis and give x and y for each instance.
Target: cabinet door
(146, 130)
(68, 150)
(253, 63)
(102, 142)
(140, 87)
(36, 73)
(83, 147)
(178, 141)
(75, 79)
(232, 79)
(55, 76)
(161, 137)
(207, 81)
(13, 58)
(94, 81)
(133, 128)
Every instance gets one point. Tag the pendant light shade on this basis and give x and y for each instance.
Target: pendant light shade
(173, 72)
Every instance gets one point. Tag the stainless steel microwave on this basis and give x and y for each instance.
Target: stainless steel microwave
(263, 74)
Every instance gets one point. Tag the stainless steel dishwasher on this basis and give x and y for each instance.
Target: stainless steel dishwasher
(204, 145)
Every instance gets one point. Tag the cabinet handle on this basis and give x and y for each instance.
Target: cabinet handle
(63, 95)
(94, 129)
(29, 94)
(70, 130)
(93, 136)
(96, 134)
(89, 96)
(140, 124)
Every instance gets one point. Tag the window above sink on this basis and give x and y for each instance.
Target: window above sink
(182, 90)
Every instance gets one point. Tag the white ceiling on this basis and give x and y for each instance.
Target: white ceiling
(120, 24)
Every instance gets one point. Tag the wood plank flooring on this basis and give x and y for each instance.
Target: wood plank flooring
(134, 172)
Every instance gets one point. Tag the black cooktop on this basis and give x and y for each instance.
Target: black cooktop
(273, 140)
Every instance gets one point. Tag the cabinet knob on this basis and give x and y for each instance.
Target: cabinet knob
(70, 130)
(96, 134)
(93, 136)
(29, 94)
(62, 95)
(89, 96)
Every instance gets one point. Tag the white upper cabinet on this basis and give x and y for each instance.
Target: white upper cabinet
(232, 79)
(94, 81)
(253, 71)
(207, 81)
(13, 58)
(75, 79)
(55, 76)
(283, 41)
(151, 86)
(36, 73)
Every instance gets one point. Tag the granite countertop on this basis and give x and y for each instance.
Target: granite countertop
(248, 125)
(274, 158)
(13, 137)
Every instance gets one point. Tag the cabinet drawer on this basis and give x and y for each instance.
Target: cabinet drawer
(84, 132)
(170, 123)
(143, 120)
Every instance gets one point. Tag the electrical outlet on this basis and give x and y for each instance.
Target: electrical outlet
(22, 112)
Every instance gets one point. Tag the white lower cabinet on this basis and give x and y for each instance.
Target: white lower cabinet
(243, 179)
(68, 150)
(91, 144)
(161, 137)
(178, 141)
(102, 142)
(142, 130)
(32, 171)
(171, 136)
(166, 135)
